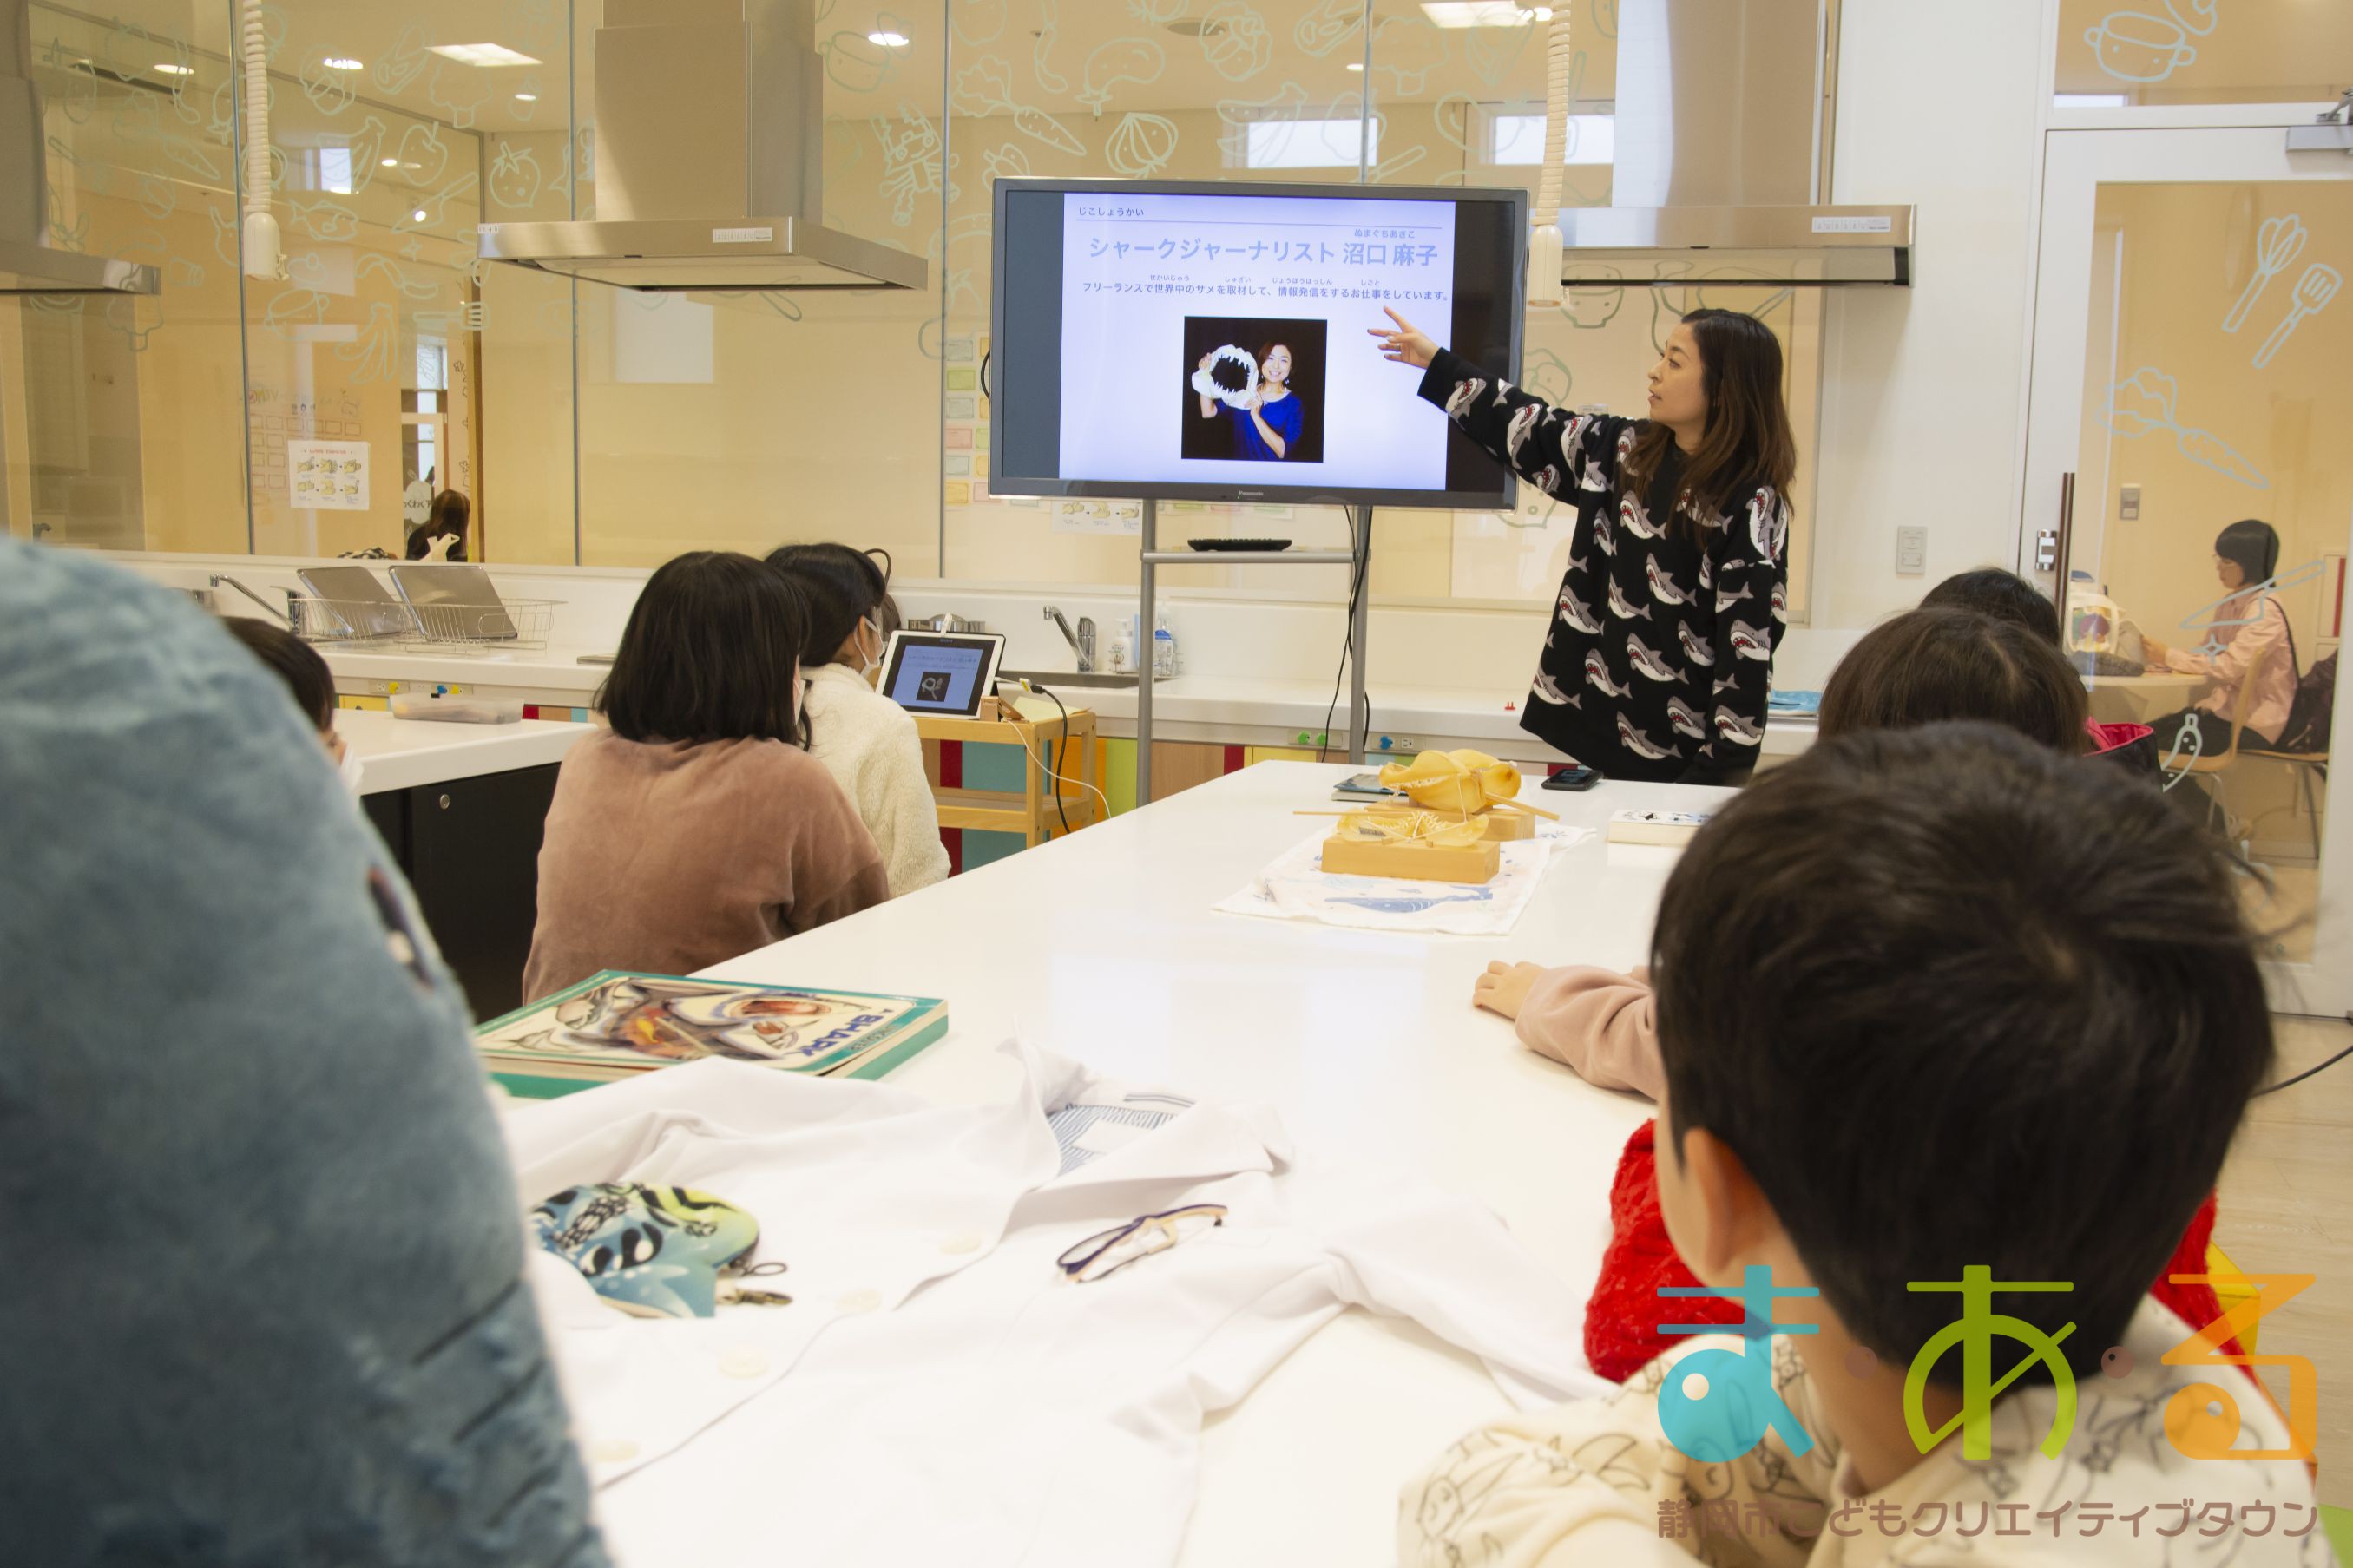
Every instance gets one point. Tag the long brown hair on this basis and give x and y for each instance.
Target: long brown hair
(1748, 440)
(1934, 664)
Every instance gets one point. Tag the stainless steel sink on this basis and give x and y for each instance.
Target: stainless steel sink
(1053, 677)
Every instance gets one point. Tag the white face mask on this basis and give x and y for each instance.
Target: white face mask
(349, 771)
(867, 666)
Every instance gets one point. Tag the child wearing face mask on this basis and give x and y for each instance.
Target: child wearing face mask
(308, 680)
(866, 741)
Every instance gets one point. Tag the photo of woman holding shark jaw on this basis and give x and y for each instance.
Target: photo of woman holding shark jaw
(1659, 656)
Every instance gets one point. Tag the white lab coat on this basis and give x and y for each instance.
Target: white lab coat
(938, 1391)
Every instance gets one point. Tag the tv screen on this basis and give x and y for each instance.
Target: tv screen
(1206, 341)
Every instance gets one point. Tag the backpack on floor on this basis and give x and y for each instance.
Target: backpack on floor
(2309, 711)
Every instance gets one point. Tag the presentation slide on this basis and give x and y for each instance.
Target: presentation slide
(1220, 339)
(937, 677)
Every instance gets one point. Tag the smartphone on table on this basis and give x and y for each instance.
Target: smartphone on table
(1576, 778)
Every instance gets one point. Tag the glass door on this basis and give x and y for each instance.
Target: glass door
(2189, 491)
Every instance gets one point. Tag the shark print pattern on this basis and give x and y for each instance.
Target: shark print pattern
(1548, 691)
(1637, 519)
(1662, 587)
(1636, 742)
(1665, 595)
(1596, 672)
(1524, 421)
(1622, 609)
(1576, 615)
(1648, 664)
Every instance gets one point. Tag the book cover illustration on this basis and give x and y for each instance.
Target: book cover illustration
(624, 1021)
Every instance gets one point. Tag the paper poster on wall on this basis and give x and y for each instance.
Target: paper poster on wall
(332, 476)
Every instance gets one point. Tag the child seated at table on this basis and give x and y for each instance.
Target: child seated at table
(308, 680)
(694, 827)
(1923, 666)
(1936, 1001)
(867, 742)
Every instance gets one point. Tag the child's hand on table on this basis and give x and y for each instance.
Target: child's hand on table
(1504, 987)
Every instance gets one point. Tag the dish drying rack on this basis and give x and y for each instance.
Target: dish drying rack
(514, 624)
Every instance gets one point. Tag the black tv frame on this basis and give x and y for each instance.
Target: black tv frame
(1501, 496)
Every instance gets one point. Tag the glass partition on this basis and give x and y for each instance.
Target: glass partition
(605, 426)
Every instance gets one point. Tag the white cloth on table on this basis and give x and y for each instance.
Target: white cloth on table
(938, 1391)
(1296, 887)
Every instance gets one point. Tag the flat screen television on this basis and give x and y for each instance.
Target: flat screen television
(1134, 323)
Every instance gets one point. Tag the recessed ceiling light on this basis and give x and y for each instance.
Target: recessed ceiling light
(170, 70)
(344, 63)
(1482, 14)
(1356, 65)
(418, 217)
(391, 162)
(526, 97)
(483, 55)
(888, 40)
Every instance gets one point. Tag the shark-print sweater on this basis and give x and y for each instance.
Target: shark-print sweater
(1661, 650)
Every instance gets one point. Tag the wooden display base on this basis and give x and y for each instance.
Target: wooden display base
(1348, 856)
(1504, 826)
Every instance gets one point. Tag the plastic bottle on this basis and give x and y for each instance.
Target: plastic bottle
(1164, 649)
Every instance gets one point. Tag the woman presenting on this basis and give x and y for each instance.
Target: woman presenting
(1661, 652)
(1268, 426)
(2253, 630)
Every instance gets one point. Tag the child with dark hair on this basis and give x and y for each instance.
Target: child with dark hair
(695, 828)
(1937, 1000)
(307, 679)
(2007, 597)
(867, 742)
(1920, 667)
(2003, 595)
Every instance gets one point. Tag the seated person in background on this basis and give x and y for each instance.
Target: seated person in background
(694, 828)
(867, 742)
(1935, 999)
(1923, 666)
(2252, 628)
(442, 536)
(278, 1313)
(306, 677)
(2007, 597)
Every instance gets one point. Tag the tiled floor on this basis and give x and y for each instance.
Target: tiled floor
(2287, 1207)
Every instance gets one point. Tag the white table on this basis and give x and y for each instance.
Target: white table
(1102, 946)
(400, 754)
(2134, 699)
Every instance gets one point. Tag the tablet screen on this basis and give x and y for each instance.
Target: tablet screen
(939, 673)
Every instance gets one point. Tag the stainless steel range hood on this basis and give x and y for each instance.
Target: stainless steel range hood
(709, 146)
(1719, 173)
(1794, 246)
(28, 263)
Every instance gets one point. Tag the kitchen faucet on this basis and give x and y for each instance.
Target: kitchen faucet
(1083, 641)
(285, 614)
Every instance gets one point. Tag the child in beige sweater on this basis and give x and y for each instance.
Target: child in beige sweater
(1939, 1002)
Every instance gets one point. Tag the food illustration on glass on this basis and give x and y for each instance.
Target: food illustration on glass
(2146, 402)
(2279, 242)
(2313, 291)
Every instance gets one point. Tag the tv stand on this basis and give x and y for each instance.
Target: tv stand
(1358, 557)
